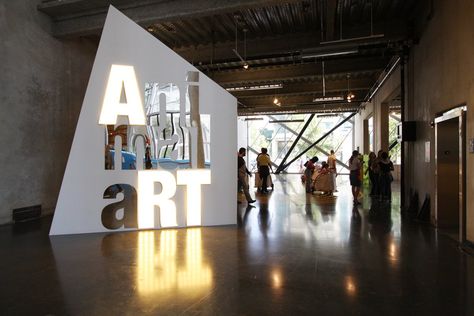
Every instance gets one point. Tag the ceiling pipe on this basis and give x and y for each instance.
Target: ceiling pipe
(296, 111)
(354, 39)
(238, 55)
(379, 84)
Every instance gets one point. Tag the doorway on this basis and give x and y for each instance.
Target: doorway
(450, 202)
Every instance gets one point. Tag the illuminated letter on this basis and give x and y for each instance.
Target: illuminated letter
(193, 180)
(147, 199)
(122, 77)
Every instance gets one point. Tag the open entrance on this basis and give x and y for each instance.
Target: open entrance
(450, 204)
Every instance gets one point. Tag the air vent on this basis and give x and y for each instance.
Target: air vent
(25, 214)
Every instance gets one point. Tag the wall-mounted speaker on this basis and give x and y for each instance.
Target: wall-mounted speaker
(406, 131)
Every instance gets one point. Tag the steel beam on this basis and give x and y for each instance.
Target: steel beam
(330, 19)
(297, 71)
(297, 109)
(363, 83)
(279, 169)
(392, 145)
(306, 140)
(299, 100)
(396, 118)
(320, 139)
(290, 43)
(82, 17)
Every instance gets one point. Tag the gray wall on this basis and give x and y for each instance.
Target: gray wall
(441, 69)
(375, 108)
(42, 85)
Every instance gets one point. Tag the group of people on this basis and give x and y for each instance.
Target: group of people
(380, 174)
(264, 166)
(323, 177)
(320, 177)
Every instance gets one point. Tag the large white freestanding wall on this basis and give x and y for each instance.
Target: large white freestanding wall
(82, 199)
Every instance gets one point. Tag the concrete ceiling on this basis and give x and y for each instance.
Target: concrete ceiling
(279, 37)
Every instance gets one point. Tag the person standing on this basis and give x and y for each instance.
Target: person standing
(376, 170)
(332, 168)
(148, 164)
(385, 177)
(371, 169)
(243, 174)
(354, 176)
(310, 166)
(264, 166)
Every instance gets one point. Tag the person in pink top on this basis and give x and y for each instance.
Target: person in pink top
(310, 166)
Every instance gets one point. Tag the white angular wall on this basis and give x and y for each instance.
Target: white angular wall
(123, 42)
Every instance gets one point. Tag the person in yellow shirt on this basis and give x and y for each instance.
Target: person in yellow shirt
(264, 165)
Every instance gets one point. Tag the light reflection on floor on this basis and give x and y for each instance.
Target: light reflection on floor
(158, 268)
(318, 218)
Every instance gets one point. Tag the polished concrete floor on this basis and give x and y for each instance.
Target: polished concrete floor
(291, 254)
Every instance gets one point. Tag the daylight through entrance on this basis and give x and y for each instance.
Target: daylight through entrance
(290, 143)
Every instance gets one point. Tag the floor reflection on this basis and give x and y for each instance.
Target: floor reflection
(289, 210)
(291, 253)
(158, 267)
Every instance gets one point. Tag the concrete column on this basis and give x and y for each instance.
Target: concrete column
(382, 127)
(193, 94)
(366, 144)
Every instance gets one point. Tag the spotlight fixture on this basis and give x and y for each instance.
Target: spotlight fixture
(350, 95)
(276, 101)
(246, 66)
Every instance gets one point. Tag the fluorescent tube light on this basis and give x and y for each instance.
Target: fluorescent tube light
(328, 54)
(327, 115)
(286, 121)
(328, 99)
(254, 119)
(260, 87)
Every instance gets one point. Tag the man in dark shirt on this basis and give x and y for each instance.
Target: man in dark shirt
(243, 174)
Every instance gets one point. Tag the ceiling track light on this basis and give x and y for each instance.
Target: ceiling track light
(329, 99)
(254, 119)
(259, 87)
(287, 121)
